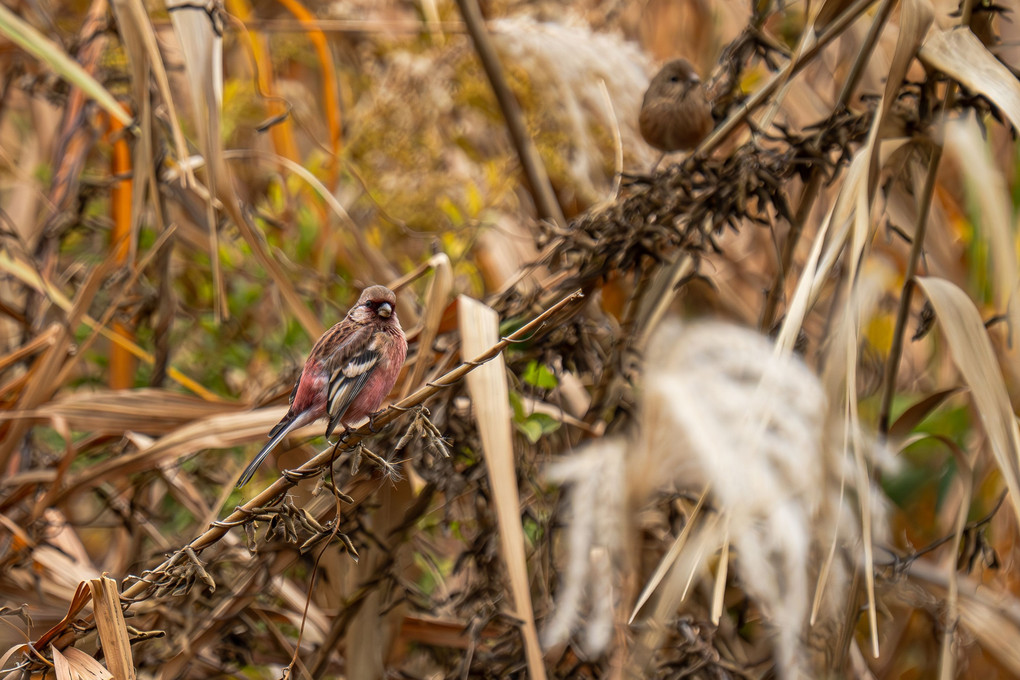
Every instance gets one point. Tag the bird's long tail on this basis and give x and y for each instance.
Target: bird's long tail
(276, 435)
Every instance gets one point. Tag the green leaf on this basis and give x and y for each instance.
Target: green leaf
(518, 406)
(537, 425)
(540, 376)
(531, 429)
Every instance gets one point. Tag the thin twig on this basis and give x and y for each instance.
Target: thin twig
(534, 171)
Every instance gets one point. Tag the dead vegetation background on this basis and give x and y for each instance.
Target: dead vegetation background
(821, 482)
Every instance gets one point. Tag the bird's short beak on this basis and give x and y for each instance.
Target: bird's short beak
(385, 310)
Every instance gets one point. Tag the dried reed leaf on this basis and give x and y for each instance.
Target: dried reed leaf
(841, 379)
(84, 666)
(719, 590)
(218, 431)
(51, 572)
(973, 355)
(47, 51)
(47, 368)
(436, 296)
(916, 17)
(825, 252)
(992, 616)
(959, 54)
(132, 24)
(140, 40)
(669, 559)
(915, 413)
(40, 342)
(112, 629)
(202, 49)
(479, 329)
(986, 185)
(11, 651)
(149, 410)
(82, 596)
(61, 667)
(27, 275)
(947, 658)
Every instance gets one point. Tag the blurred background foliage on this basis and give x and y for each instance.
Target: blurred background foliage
(211, 284)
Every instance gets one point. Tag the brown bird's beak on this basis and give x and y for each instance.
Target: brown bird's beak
(385, 310)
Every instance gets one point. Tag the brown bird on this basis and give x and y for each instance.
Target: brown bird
(349, 371)
(676, 113)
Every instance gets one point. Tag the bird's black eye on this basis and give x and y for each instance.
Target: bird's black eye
(674, 79)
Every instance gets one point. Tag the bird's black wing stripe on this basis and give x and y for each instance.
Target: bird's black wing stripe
(347, 381)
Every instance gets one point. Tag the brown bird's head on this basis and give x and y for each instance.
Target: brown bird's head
(673, 80)
(377, 303)
(676, 113)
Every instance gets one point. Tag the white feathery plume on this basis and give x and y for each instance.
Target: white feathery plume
(721, 410)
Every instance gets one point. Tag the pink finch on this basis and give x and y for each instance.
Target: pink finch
(350, 370)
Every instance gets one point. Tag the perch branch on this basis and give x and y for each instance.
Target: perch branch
(217, 530)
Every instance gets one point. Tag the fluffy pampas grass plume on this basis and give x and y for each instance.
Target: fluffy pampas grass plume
(724, 413)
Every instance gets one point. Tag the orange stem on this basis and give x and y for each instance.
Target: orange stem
(122, 363)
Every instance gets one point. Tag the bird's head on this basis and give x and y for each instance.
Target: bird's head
(674, 79)
(375, 303)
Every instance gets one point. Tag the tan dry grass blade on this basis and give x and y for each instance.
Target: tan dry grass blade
(47, 51)
(61, 667)
(841, 384)
(29, 276)
(149, 410)
(45, 339)
(916, 18)
(719, 590)
(214, 432)
(436, 296)
(51, 572)
(46, 370)
(82, 666)
(704, 539)
(822, 259)
(112, 629)
(479, 329)
(139, 40)
(202, 50)
(973, 355)
(992, 616)
(669, 559)
(947, 659)
(987, 187)
(959, 54)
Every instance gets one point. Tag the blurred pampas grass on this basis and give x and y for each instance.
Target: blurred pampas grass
(721, 412)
